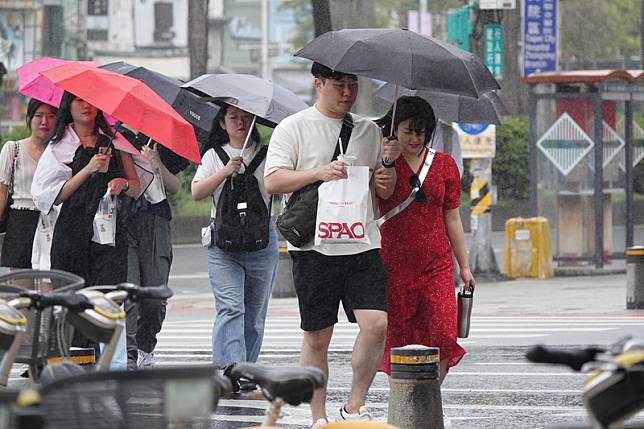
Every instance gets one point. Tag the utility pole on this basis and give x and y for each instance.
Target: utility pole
(198, 37)
(321, 17)
(266, 61)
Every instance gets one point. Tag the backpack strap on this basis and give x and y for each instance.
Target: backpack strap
(222, 154)
(257, 160)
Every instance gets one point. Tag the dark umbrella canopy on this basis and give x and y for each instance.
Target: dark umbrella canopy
(267, 100)
(453, 107)
(196, 111)
(403, 58)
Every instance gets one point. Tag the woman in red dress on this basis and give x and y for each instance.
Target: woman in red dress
(417, 242)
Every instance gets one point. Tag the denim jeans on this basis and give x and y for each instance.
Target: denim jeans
(241, 283)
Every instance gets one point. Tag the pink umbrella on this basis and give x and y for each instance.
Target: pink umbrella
(32, 84)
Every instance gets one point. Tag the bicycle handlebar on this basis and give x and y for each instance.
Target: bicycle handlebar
(137, 293)
(573, 359)
(72, 301)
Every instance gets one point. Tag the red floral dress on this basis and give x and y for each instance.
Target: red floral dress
(416, 251)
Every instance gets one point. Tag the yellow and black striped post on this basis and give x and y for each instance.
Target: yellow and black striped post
(481, 189)
(482, 257)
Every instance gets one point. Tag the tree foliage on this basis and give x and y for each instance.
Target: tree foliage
(599, 29)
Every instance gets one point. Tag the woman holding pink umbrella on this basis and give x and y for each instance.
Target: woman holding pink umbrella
(18, 161)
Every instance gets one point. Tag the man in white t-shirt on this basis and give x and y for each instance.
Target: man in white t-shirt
(300, 153)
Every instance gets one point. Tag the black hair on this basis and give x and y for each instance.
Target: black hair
(323, 72)
(219, 136)
(64, 117)
(32, 106)
(415, 108)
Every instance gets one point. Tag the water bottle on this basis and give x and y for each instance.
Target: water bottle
(464, 300)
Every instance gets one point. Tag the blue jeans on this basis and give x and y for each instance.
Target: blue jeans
(241, 283)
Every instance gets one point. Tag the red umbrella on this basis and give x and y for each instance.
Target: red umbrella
(131, 102)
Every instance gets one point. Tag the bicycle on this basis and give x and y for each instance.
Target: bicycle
(614, 389)
(45, 335)
(95, 314)
(292, 386)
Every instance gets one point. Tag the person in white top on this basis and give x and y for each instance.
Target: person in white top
(241, 280)
(20, 158)
(300, 153)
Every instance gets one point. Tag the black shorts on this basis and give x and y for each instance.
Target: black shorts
(19, 239)
(321, 282)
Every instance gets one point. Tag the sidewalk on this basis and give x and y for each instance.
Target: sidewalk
(560, 296)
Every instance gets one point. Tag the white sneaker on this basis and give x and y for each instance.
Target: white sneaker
(362, 414)
(447, 423)
(146, 360)
(319, 423)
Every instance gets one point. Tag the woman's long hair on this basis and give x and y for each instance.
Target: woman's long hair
(32, 107)
(64, 118)
(219, 136)
(416, 109)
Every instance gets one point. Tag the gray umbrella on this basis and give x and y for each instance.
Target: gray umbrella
(403, 58)
(453, 107)
(268, 101)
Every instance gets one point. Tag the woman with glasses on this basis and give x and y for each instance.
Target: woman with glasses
(417, 242)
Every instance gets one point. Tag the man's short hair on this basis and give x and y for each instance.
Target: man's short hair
(323, 72)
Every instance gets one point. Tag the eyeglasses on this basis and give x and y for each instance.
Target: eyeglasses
(419, 196)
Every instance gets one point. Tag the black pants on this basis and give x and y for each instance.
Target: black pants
(149, 260)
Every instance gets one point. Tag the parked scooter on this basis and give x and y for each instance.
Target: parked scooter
(614, 390)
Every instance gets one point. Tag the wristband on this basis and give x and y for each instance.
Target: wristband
(126, 187)
(391, 164)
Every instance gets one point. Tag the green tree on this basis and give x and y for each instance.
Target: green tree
(597, 29)
(510, 167)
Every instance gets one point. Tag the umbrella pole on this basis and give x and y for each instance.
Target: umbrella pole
(393, 115)
(393, 112)
(250, 131)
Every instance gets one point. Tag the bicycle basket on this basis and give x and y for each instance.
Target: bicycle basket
(47, 334)
(142, 399)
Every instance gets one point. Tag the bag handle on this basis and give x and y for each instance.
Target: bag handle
(427, 163)
(16, 150)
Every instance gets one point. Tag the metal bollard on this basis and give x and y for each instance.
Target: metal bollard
(635, 277)
(414, 391)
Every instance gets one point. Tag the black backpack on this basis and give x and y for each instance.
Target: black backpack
(242, 218)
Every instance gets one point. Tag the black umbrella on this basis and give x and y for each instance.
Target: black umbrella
(190, 106)
(403, 58)
(488, 108)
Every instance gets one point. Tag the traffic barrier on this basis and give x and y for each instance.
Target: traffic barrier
(414, 388)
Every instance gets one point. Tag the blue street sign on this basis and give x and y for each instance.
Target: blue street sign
(472, 129)
(539, 36)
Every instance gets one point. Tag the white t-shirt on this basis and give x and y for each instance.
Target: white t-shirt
(308, 140)
(210, 164)
(23, 174)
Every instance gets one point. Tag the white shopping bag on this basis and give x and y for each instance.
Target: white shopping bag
(342, 209)
(156, 191)
(105, 221)
(41, 249)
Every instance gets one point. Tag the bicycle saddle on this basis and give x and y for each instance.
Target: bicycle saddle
(292, 385)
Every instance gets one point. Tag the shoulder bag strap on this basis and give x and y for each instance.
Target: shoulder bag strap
(13, 165)
(345, 135)
(421, 178)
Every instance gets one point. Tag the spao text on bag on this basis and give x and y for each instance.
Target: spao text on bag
(341, 230)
